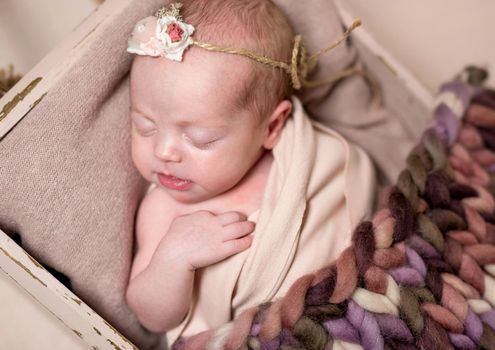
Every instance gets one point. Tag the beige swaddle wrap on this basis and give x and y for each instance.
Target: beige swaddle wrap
(318, 189)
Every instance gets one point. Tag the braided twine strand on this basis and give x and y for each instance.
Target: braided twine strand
(301, 63)
(420, 274)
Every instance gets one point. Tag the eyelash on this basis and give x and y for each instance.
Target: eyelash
(144, 133)
(202, 146)
(205, 146)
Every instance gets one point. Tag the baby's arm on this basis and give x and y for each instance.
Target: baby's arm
(160, 285)
(162, 275)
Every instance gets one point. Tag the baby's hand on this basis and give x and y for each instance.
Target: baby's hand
(203, 238)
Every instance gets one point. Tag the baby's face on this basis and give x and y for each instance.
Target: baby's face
(187, 135)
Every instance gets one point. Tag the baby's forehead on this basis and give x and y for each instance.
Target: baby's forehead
(205, 83)
(200, 74)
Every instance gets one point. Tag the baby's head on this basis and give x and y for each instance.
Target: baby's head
(208, 119)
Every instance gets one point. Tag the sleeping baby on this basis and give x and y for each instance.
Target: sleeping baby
(246, 192)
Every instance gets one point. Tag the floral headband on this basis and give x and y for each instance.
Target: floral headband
(166, 35)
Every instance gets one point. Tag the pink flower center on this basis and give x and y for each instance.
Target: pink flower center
(175, 32)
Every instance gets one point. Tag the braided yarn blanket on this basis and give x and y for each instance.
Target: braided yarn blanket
(420, 274)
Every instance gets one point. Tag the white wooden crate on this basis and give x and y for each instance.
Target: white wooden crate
(403, 94)
(52, 295)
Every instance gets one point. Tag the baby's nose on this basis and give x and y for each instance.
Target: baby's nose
(167, 152)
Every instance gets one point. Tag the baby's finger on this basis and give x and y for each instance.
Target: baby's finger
(231, 217)
(235, 246)
(237, 229)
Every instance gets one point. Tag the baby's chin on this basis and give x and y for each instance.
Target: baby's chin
(186, 197)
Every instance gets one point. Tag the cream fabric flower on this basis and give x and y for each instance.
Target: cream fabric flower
(166, 37)
(143, 41)
(175, 37)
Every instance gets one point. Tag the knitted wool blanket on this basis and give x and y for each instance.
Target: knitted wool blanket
(420, 274)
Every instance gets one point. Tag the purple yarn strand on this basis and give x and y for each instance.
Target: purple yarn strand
(394, 328)
(473, 327)
(489, 318)
(407, 276)
(422, 247)
(460, 341)
(368, 328)
(341, 329)
(415, 261)
(255, 329)
(355, 314)
(271, 345)
(371, 337)
(286, 338)
(461, 90)
(446, 123)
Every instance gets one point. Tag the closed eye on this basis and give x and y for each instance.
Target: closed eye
(206, 145)
(143, 131)
(143, 125)
(200, 144)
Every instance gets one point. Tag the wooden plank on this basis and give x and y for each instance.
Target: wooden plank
(31, 89)
(409, 100)
(57, 299)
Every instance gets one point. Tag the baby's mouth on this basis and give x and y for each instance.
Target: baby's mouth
(173, 182)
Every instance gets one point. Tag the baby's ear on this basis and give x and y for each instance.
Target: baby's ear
(276, 123)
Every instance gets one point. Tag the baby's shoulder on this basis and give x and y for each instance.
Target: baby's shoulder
(156, 206)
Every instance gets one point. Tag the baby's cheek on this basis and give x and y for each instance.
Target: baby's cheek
(229, 170)
(140, 158)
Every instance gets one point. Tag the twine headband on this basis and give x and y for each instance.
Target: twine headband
(166, 35)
